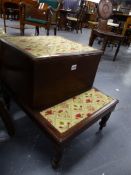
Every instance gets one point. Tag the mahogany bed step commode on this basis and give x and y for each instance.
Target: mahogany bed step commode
(51, 78)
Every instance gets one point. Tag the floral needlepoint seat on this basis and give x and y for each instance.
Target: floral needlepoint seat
(47, 46)
(75, 110)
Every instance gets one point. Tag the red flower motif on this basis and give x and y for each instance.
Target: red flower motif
(49, 112)
(28, 49)
(88, 100)
(78, 115)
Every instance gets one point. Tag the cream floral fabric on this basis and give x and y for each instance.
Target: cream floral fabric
(44, 46)
(67, 114)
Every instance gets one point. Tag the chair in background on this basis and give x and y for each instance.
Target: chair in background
(10, 9)
(76, 20)
(55, 14)
(1, 9)
(105, 11)
(92, 16)
(55, 6)
(51, 3)
(128, 35)
(37, 14)
(92, 21)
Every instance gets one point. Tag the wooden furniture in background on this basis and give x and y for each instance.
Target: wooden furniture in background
(55, 15)
(92, 21)
(126, 24)
(76, 20)
(123, 19)
(128, 34)
(10, 8)
(107, 37)
(92, 15)
(1, 9)
(55, 6)
(92, 7)
(102, 31)
(62, 18)
(37, 15)
(52, 3)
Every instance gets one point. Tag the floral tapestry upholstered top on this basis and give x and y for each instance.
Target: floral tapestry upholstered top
(70, 112)
(46, 46)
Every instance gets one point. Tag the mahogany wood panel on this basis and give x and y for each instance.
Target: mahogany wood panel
(44, 82)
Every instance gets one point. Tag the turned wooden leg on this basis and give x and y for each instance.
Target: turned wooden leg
(92, 38)
(6, 119)
(58, 152)
(36, 30)
(104, 43)
(21, 32)
(47, 32)
(55, 31)
(117, 50)
(104, 121)
(22, 29)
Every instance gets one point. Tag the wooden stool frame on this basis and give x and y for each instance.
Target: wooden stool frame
(60, 140)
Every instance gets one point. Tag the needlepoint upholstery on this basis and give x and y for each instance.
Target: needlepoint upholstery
(72, 111)
(46, 46)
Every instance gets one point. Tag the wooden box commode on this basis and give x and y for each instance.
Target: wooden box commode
(46, 70)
